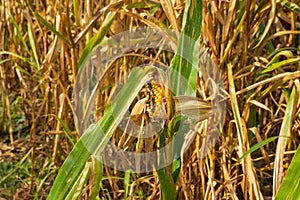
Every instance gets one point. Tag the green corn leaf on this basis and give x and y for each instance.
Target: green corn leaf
(257, 146)
(96, 39)
(97, 177)
(290, 187)
(96, 137)
(51, 28)
(32, 44)
(280, 64)
(184, 68)
(19, 33)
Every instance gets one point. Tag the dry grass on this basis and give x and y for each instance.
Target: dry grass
(254, 43)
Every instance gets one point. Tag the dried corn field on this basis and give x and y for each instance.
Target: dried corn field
(68, 70)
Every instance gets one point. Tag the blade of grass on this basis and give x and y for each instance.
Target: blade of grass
(67, 131)
(77, 187)
(96, 39)
(286, 53)
(257, 146)
(290, 187)
(166, 181)
(19, 33)
(235, 108)
(23, 70)
(89, 26)
(185, 65)
(270, 22)
(285, 132)
(32, 44)
(280, 64)
(5, 60)
(168, 187)
(17, 166)
(127, 183)
(242, 140)
(20, 57)
(51, 28)
(233, 40)
(97, 177)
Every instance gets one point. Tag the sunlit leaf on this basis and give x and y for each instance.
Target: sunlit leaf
(290, 187)
(257, 146)
(96, 137)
